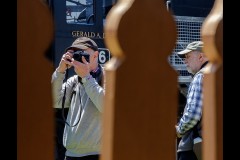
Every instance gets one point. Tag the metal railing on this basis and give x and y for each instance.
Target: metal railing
(188, 30)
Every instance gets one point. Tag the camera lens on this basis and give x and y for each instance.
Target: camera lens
(77, 55)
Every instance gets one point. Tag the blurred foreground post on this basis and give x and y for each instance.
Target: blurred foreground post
(212, 35)
(35, 140)
(141, 94)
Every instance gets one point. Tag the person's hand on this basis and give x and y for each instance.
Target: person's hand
(82, 69)
(178, 135)
(65, 61)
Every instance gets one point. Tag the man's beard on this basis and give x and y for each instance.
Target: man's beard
(190, 70)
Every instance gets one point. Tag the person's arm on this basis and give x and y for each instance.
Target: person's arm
(95, 91)
(193, 109)
(58, 88)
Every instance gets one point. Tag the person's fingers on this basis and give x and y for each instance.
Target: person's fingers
(84, 60)
(67, 57)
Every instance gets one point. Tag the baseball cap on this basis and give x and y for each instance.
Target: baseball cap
(193, 46)
(83, 43)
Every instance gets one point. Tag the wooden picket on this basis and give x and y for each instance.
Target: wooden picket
(213, 84)
(141, 93)
(35, 125)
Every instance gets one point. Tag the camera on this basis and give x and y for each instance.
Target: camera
(77, 55)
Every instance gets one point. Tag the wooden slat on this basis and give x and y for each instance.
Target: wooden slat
(141, 93)
(34, 102)
(213, 85)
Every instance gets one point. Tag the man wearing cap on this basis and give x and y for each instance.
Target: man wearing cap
(83, 94)
(189, 125)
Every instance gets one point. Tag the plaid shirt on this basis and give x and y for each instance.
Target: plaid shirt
(193, 109)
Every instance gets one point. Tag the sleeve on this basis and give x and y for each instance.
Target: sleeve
(58, 88)
(95, 92)
(193, 109)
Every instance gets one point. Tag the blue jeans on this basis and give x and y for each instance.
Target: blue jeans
(186, 155)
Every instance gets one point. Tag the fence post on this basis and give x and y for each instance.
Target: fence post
(141, 93)
(213, 84)
(34, 101)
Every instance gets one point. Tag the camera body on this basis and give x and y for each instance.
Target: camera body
(77, 55)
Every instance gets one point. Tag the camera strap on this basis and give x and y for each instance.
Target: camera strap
(97, 74)
(63, 102)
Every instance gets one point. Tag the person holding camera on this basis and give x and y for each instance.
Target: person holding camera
(83, 94)
(189, 126)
